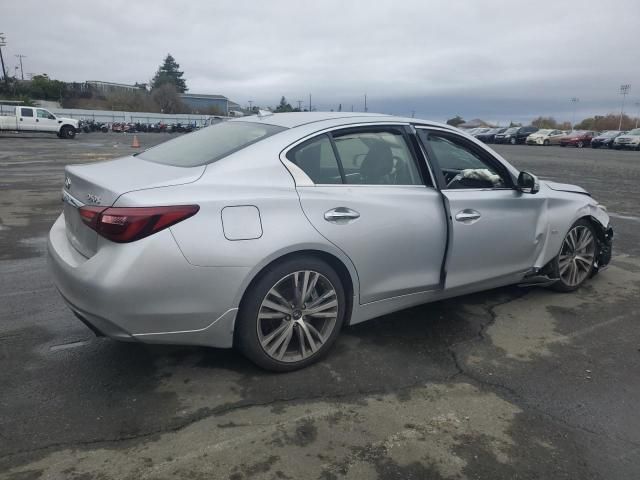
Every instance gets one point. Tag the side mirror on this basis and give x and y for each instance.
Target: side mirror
(528, 183)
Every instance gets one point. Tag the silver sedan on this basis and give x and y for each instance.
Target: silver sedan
(270, 233)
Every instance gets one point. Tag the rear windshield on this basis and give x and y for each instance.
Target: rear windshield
(209, 144)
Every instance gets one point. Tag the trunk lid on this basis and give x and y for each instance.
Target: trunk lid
(100, 184)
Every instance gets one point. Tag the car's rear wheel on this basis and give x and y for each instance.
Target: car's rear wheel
(546, 143)
(580, 144)
(574, 263)
(292, 314)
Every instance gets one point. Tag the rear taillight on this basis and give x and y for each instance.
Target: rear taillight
(128, 224)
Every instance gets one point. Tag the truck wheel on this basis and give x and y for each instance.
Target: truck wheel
(67, 132)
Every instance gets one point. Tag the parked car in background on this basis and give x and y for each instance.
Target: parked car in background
(577, 138)
(605, 139)
(490, 135)
(39, 120)
(630, 139)
(546, 136)
(249, 233)
(515, 135)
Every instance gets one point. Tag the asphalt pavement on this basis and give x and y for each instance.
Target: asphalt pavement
(514, 383)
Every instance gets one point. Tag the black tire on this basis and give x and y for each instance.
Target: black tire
(580, 144)
(562, 285)
(68, 132)
(246, 335)
(513, 141)
(563, 144)
(546, 143)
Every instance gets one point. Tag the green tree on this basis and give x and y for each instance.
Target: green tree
(455, 121)
(284, 106)
(169, 72)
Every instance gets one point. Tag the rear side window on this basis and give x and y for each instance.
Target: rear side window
(317, 160)
(26, 112)
(376, 158)
(209, 144)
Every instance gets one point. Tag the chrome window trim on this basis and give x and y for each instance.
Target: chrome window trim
(301, 179)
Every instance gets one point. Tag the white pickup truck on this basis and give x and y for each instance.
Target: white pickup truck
(33, 119)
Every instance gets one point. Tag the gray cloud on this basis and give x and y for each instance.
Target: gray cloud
(501, 60)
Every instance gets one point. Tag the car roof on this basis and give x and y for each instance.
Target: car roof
(297, 119)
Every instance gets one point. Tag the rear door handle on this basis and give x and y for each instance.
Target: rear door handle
(341, 214)
(467, 215)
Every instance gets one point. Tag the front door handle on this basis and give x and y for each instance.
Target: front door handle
(343, 214)
(467, 215)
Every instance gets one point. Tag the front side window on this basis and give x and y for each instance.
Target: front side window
(44, 114)
(316, 158)
(376, 157)
(462, 165)
(26, 112)
(209, 144)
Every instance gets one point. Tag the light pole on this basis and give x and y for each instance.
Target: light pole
(20, 57)
(299, 105)
(365, 103)
(574, 101)
(250, 105)
(624, 91)
(638, 116)
(2, 44)
(309, 102)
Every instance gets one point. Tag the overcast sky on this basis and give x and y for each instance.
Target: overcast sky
(498, 60)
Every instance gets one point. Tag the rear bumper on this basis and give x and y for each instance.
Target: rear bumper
(146, 291)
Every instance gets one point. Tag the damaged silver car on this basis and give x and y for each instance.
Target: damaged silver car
(271, 233)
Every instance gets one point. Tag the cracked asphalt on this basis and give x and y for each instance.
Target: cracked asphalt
(514, 383)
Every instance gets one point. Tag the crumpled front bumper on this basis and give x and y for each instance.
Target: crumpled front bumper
(605, 249)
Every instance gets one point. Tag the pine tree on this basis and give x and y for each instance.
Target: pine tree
(169, 72)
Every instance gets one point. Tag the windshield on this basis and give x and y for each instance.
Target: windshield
(609, 133)
(543, 132)
(577, 132)
(634, 132)
(209, 144)
(512, 130)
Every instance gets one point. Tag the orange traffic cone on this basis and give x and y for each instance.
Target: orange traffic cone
(135, 143)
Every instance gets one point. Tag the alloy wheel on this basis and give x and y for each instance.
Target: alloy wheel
(297, 316)
(577, 255)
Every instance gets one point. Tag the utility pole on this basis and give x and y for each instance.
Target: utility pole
(574, 101)
(20, 57)
(413, 113)
(638, 117)
(309, 102)
(624, 91)
(250, 105)
(2, 44)
(299, 105)
(365, 103)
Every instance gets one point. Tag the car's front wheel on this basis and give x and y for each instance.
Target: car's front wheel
(574, 263)
(291, 315)
(546, 143)
(513, 141)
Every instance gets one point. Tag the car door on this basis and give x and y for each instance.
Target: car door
(366, 194)
(27, 119)
(46, 121)
(496, 230)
